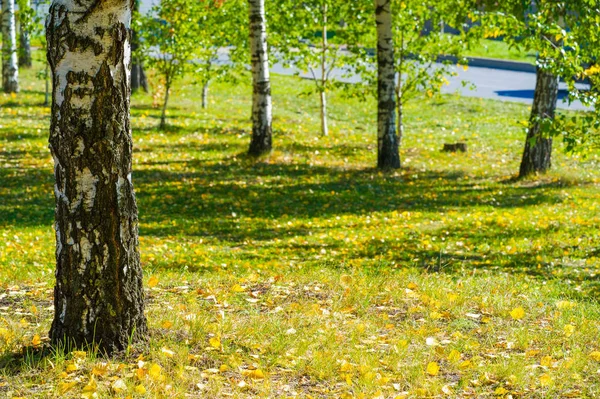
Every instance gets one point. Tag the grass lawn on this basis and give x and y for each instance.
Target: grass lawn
(309, 274)
(488, 48)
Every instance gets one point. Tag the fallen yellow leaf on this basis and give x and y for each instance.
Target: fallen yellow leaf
(36, 340)
(545, 380)
(154, 371)
(433, 369)
(454, 356)
(254, 374)
(569, 330)
(153, 282)
(215, 342)
(517, 313)
(547, 361)
(64, 387)
(345, 367)
(595, 355)
(140, 389)
(237, 288)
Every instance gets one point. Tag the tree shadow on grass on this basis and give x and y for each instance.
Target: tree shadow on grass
(204, 196)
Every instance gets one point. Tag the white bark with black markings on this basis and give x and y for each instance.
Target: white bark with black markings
(10, 68)
(388, 156)
(262, 112)
(98, 297)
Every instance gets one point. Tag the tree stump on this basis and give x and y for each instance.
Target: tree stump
(457, 147)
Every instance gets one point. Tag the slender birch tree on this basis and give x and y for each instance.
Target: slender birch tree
(223, 24)
(261, 95)
(169, 40)
(388, 156)
(10, 68)
(312, 36)
(26, 20)
(138, 74)
(98, 297)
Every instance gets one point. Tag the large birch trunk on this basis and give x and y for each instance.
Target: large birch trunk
(537, 156)
(262, 136)
(98, 297)
(25, 43)
(10, 69)
(388, 156)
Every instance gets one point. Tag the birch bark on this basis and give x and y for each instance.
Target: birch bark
(537, 156)
(262, 136)
(98, 297)
(10, 69)
(388, 156)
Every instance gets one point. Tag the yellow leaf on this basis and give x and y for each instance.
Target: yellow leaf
(547, 361)
(500, 391)
(100, 369)
(153, 282)
(517, 313)
(223, 368)
(237, 288)
(595, 355)
(140, 373)
(569, 330)
(71, 367)
(166, 324)
(89, 391)
(140, 389)
(215, 342)
(412, 286)
(433, 368)
(345, 367)
(465, 365)
(454, 356)
(79, 354)
(254, 374)
(545, 380)
(64, 387)
(154, 371)
(36, 341)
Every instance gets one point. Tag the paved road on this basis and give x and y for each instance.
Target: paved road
(489, 83)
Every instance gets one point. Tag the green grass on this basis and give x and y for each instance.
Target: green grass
(497, 49)
(332, 279)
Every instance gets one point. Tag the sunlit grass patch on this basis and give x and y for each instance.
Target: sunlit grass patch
(308, 273)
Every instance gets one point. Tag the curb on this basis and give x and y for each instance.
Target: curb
(493, 63)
